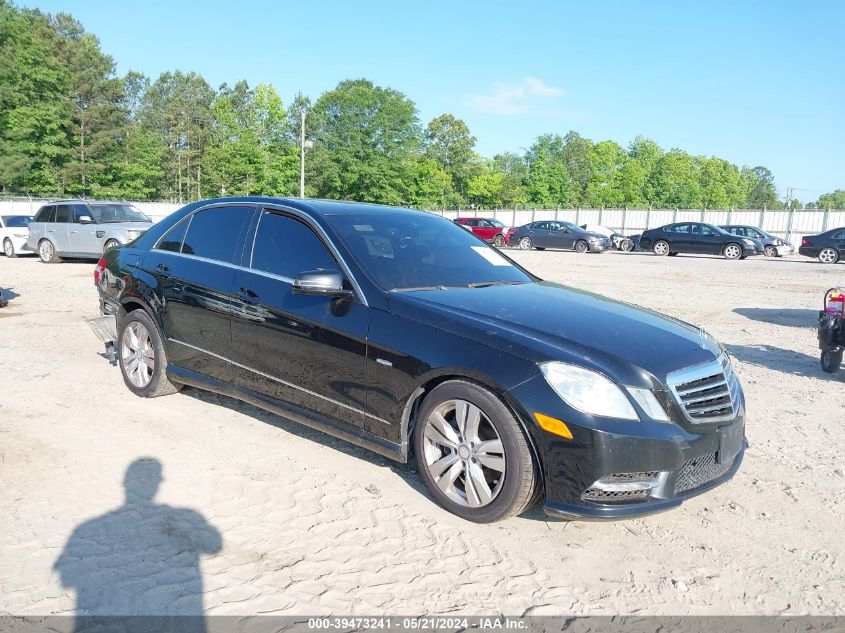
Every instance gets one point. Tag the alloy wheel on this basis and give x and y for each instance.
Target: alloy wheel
(732, 251)
(661, 248)
(525, 243)
(499, 241)
(45, 250)
(828, 256)
(463, 453)
(8, 249)
(581, 246)
(770, 251)
(137, 354)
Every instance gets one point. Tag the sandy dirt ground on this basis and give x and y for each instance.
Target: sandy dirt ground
(257, 515)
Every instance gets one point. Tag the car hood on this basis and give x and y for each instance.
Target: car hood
(546, 321)
(125, 226)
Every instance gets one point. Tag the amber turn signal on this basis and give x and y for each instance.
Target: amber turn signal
(553, 425)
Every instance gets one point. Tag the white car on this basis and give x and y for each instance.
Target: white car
(14, 232)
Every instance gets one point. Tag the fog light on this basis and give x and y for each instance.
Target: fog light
(622, 487)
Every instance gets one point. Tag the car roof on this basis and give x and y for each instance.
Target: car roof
(313, 205)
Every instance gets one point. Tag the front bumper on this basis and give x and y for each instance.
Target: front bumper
(784, 250)
(750, 251)
(599, 247)
(679, 460)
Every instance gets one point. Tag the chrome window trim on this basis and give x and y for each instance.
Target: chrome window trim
(188, 218)
(279, 380)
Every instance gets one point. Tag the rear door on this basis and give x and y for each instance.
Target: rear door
(194, 265)
(680, 238)
(485, 230)
(38, 226)
(838, 242)
(306, 350)
(58, 231)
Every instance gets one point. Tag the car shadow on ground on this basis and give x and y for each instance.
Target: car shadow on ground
(782, 360)
(791, 317)
(406, 472)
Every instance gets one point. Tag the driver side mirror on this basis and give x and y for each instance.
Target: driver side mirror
(85, 219)
(320, 282)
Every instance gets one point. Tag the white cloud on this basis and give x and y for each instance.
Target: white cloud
(530, 96)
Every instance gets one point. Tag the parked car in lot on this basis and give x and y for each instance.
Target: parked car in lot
(488, 229)
(772, 246)
(400, 332)
(553, 234)
(616, 238)
(77, 228)
(828, 247)
(698, 238)
(14, 232)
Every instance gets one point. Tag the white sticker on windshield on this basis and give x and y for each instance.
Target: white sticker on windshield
(491, 256)
(363, 228)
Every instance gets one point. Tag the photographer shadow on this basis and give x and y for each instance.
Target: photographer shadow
(137, 567)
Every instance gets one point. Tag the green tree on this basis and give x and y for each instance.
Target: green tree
(721, 184)
(515, 171)
(431, 185)
(547, 183)
(645, 153)
(675, 181)
(487, 189)
(449, 142)
(833, 200)
(577, 160)
(33, 108)
(603, 186)
(366, 140)
(759, 185)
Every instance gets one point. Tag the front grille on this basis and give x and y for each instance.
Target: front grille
(615, 477)
(707, 393)
(611, 496)
(700, 471)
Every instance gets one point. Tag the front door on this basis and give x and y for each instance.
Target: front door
(306, 350)
(82, 236)
(708, 241)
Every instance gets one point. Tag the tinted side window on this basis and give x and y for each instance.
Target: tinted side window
(680, 228)
(80, 210)
(839, 236)
(172, 240)
(43, 214)
(736, 230)
(287, 247)
(214, 233)
(63, 213)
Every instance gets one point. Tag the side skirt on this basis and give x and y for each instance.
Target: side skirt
(332, 427)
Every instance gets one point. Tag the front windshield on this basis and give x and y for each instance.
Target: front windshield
(16, 221)
(715, 229)
(574, 227)
(107, 213)
(496, 223)
(420, 251)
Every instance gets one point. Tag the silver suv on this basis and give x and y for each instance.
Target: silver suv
(77, 228)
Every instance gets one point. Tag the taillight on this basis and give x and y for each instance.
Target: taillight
(99, 269)
(805, 242)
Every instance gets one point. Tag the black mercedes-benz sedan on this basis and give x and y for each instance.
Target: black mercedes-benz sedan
(406, 334)
(698, 238)
(827, 247)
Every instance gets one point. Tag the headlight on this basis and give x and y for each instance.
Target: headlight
(133, 234)
(588, 391)
(649, 403)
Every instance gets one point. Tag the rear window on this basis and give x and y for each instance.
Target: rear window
(44, 213)
(214, 233)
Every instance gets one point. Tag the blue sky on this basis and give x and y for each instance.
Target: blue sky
(754, 82)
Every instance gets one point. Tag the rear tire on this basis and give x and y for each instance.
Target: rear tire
(499, 241)
(9, 248)
(828, 255)
(47, 252)
(479, 467)
(581, 246)
(831, 361)
(141, 356)
(661, 248)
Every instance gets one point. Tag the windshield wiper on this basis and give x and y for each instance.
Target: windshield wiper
(416, 288)
(501, 282)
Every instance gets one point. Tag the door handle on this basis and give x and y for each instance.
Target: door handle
(164, 270)
(51, 230)
(248, 296)
(74, 231)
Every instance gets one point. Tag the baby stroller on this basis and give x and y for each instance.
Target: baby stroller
(831, 330)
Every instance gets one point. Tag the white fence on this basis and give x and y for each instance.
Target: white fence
(790, 225)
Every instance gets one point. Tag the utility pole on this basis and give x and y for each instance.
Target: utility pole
(302, 156)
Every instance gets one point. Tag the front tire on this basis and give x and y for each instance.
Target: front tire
(770, 251)
(627, 245)
(110, 245)
(581, 246)
(661, 248)
(525, 243)
(141, 356)
(472, 455)
(47, 252)
(831, 361)
(732, 251)
(9, 248)
(828, 255)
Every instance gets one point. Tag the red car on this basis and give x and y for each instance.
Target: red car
(488, 229)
